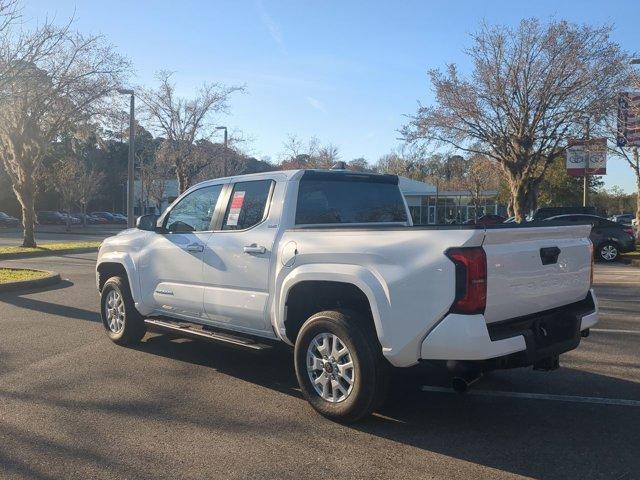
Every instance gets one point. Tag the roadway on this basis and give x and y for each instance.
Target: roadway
(75, 406)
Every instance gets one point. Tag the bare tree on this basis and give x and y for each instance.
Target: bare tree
(184, 121)
(63, 178)
(530, 90)
(154, 179)
(479, 176)
(297, 154)
(76, 183)
(55, 79)
(327, 156)
(410, 162)
(88, 182)
(359, 164)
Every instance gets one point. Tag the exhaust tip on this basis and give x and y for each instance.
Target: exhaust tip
(459, 384)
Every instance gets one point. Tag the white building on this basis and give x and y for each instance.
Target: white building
(429, 206)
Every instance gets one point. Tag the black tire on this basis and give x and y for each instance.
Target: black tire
(371, 372)
(134, 327)
(608, 252)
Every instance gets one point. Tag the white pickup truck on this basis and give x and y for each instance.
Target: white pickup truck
(330, 263)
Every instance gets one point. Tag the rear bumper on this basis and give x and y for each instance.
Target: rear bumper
(522, 340)
(628, 246)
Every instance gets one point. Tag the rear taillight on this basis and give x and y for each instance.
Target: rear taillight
(471, 279)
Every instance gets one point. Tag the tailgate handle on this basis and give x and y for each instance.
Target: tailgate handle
(549, 255)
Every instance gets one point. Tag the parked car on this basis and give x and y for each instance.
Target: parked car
(73, 220)
(8, 220)
(91, 220)
(120, 218)
(330, 263)
(609, 239)
(49, 217)
(546, 212)
(625, 218)
(106, 215)
(489, 219)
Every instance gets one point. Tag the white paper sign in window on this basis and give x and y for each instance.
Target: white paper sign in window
(236, 206)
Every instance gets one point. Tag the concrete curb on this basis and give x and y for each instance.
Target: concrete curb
(635, 263)
(46, 253)
(51, 279)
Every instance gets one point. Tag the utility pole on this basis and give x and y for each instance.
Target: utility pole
(225, 168)
(130, 166)
(585, 193)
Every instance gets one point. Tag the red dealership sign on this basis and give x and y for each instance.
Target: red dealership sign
(589, 156)
(629, 119)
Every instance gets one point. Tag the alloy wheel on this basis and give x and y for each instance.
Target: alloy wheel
(330, 367)
(114, 311)
(609, 252)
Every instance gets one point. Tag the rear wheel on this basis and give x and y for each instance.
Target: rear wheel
(123, 323)
(608, 252)
(339, 365)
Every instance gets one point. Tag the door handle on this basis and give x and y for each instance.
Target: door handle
(195, 247)
(253, 248)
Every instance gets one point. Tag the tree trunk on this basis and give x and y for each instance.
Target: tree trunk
(519, 198)
(68, 205)
(510, 207)
(25, 195)
(532, 196)
(183, 179)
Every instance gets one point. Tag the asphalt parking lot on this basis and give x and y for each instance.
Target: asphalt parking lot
(75, 406)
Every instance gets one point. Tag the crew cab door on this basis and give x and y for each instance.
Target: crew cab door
(238, 257)
(171, 265)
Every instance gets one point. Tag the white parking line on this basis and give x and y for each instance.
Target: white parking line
(613, 330)
(539, 396)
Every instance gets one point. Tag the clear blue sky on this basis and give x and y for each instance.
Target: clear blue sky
(345, 72)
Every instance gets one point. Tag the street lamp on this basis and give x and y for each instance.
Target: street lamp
(225, 149)
(132, 141)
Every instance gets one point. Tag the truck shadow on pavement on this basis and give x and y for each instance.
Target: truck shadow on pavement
(22, 300)
(535, 438)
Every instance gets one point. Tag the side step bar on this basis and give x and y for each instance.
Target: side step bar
(194, 330)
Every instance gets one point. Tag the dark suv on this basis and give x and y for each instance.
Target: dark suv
(609, 239)
(543, 213)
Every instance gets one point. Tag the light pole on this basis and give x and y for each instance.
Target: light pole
(130, 166)
(636, 158)
(587, 159)
(225, 149)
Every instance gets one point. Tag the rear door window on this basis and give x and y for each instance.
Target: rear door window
(339, 199)
(248, 204)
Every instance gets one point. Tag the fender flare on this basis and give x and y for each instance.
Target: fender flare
(368, 281)
(129, 266)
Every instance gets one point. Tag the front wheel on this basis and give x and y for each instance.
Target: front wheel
(608, 252)
(339, 365)
(123, 323)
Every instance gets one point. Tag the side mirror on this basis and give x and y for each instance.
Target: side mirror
(147, 222)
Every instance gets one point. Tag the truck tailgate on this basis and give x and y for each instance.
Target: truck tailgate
(532, 269)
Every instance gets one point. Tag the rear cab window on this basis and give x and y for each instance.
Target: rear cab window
(345, 198)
